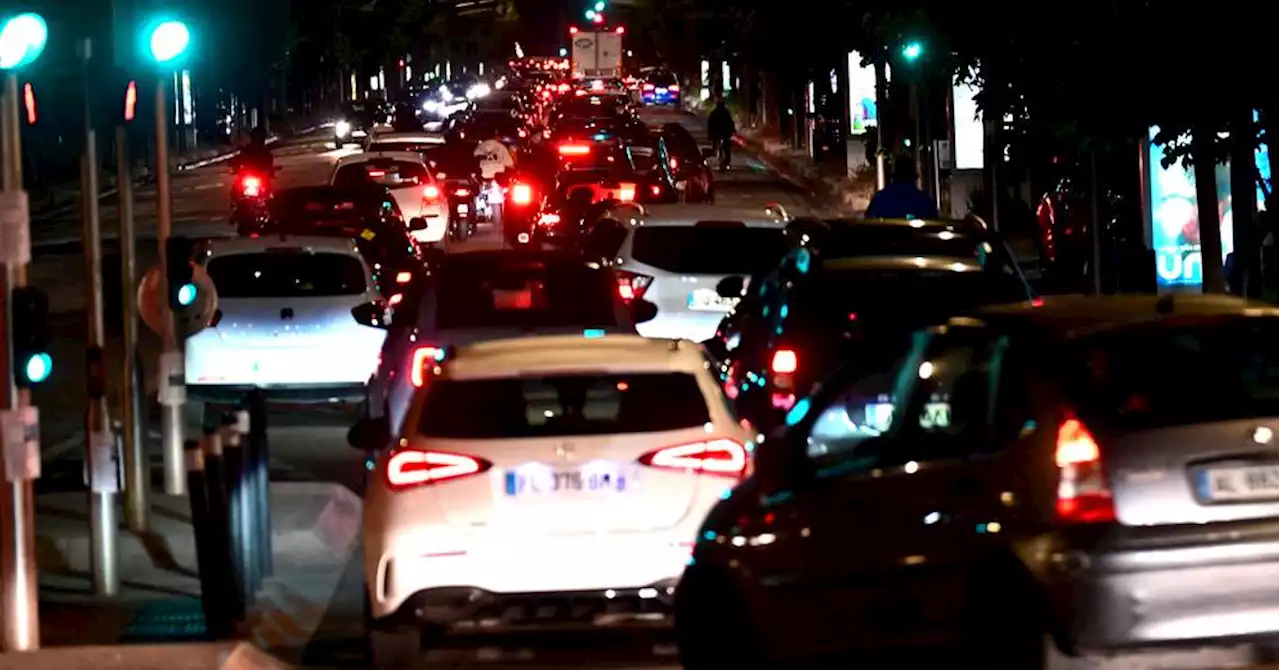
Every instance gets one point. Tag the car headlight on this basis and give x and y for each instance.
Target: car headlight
(342, 128)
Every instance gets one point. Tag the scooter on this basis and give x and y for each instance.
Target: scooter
(250, 194)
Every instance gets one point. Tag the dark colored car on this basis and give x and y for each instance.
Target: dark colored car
(660, 88)
(367, 215)
(687, 163)
(838, 295)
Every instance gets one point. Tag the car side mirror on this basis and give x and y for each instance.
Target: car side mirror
(369, 434)
(643, 311)
(373, 314)
(731, 287)
(417, 223)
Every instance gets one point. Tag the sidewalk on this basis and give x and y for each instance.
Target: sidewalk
(833, 187)
(206, 656)
(315, 534)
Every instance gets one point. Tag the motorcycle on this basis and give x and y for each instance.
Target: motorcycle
(461, 196)
(250, 193)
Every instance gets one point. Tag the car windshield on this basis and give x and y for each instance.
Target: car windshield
(715, 250)
(1179, 374)
(525, 295)
(286, 273)
(562, 405)
(388, 173)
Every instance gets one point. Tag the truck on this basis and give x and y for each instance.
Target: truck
(597, 55)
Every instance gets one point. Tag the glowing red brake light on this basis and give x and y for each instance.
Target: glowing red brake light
(1084, 496)
(627, 192)
(784, 362)
(521, 194)
(673, 163)
(377, 173)
(404, 277)
(408, 468)
(674, 88)
(251, 186)
(422, 359)
(462, 192)
(549, 219)
(574, 150)
(632, 285)
(648, 87)
(431, 192)
(724, 458)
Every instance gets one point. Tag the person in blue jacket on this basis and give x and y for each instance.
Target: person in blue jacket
(901, 199)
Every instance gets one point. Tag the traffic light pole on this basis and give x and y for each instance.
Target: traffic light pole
(137, 471)
(19, 613)
(172, 390)
(104, 484)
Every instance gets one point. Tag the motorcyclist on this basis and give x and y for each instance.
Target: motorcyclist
(901, 199)
(494, 157)
(256, 155)
(720, 128)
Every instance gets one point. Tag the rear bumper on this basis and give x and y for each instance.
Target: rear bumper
(464, 580)
(1172, 595)
(306, 394)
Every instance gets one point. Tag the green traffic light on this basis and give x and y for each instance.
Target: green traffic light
(38, 367)
(912, 50)
(186, 294)
(599, 6)
(168, 40)
(22, 40)
(591, 14)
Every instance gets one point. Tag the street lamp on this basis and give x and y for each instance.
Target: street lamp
(22, 39)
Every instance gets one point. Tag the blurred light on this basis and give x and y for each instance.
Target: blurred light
(169, 40)
(22, 40)
(38, 367)
(621, 30)
(591, 15)
(29, 101)
(186, 294)
(912, 50)
(598, 18)
(130, 100)
(599, 6)
(563, 52)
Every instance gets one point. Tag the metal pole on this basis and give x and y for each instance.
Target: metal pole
(103, 481)
(882, 95)
(917, 138)
(1095, 235)
(19, 608)
(137, 471)
(171, 369)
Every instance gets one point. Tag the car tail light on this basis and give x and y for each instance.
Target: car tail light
(423, 357)
(580, 92)
(574, 150)
(632, 285)
(563, 88)
(431, 192)
(548, 219)
(724, 458)
(674, 88)
(404, 277)
(1084, 496)
(377, 173)
(627, 192)
(462, 193)
(409, 468)
(395, 299)
(784, 362)
(673, 163)
(648, 87)
(521, 194)
(251, 186)
(655, 189)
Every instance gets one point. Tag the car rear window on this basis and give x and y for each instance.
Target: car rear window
(1172, 375)
(562, 405)
(390, 174)
(662, 79)
(709, 250)
(423, 148)
(853, 295)
(525, 296)
(287, 273)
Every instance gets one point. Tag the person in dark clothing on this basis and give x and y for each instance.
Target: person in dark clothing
(901, 199)
(720, 128)
(256, 156)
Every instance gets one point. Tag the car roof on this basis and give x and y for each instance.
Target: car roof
(423, 138)
(515, 357)
(684, 215)
(369, 156)
(1075, 316)
(250, 245)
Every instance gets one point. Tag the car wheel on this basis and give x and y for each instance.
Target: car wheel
(713, 625)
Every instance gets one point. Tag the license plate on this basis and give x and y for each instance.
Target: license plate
(706, 300)
(1239, 484)
(539, 480)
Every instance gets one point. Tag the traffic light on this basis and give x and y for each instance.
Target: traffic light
(31, 334)
(168, 40)
(22, 40)
(911, 51)
(599, 6)
(180, 273)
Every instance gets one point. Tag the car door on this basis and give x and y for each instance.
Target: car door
(816, 582)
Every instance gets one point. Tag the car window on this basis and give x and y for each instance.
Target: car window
(525, 296)
(862, 409)
(708, 250)
(397, 145)
(286, 273)
(562, 405)
(392, 174)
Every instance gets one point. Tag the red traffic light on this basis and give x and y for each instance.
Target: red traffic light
(597, 18)
(130, 100)
(573, 30)
(620, 30)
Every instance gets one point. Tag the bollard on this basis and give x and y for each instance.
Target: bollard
(219, 534)
(212, 602)
(234, 458)
(259, 457)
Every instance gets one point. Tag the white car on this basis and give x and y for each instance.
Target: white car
(407, 177)
(402, 141)
(543, 469)
(300, 317)
(676, 255)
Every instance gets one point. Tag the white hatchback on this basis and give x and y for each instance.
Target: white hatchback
(676, 255)
(535, 471)
(297, 316)
(406, 176)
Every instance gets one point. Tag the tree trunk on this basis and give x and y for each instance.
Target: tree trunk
(1202, 138)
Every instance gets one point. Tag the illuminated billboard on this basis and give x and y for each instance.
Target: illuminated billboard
(1175, 220)
(862, 95)
(969, 134)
